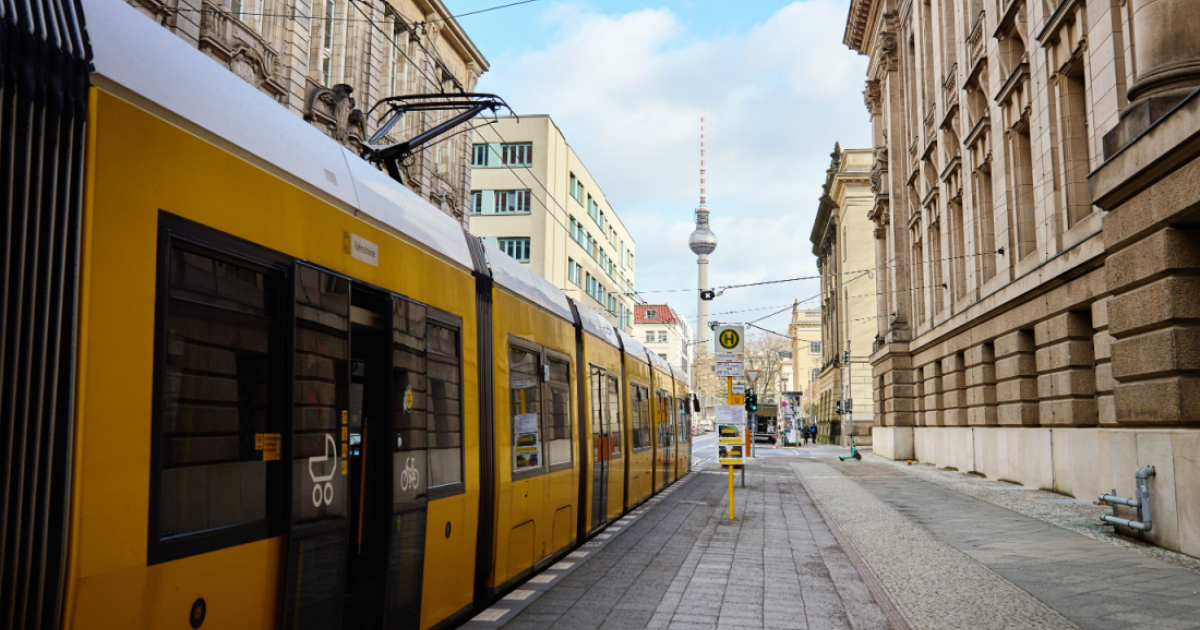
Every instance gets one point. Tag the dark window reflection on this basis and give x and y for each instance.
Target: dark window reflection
(218, 428)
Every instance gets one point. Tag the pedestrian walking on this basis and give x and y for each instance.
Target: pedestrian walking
(813, 429)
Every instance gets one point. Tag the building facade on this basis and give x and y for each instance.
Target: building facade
(841, 238)
(805, 333)
(535, 200)
(331, 61)
(1035, 189)
(664, 332)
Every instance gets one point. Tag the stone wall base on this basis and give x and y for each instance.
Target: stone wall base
(894, 443)
(1079, 462)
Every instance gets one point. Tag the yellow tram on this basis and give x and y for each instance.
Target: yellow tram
(293, 394)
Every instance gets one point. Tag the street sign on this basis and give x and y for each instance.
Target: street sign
(739, 389)
(728, 338)
(752, 376)
(729, 357)
(729, 416)
(729, 369)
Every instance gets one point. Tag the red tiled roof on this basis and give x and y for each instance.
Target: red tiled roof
(663, 314)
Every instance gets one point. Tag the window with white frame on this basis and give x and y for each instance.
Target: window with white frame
(573, 270)
(651, 313)
(651, 336)
(517, 247)
(398, 70)
(518, 154)
(814, 347)
(320, 58)
(815, 374)
(512, 201)
(662, 336)
(479, 155)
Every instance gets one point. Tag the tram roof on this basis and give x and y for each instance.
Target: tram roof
(633, 347)
(134, 55)
(594, 323)
(518, 278)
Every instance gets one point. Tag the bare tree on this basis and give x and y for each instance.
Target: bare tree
(765, 352)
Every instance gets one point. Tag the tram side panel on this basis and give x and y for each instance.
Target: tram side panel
(604, 469)
(213, 528)
(536, 474)
(683, 428)
(639, 474)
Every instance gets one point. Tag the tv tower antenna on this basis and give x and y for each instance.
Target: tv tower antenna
(702, 242)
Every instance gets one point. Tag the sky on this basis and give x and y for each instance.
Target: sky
(628, 81)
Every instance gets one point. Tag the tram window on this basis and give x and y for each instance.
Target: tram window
(614, 417)
(321, 390)
(445, 432)
(640, 404)
(525, 408)
(217, 427)
(558, 426)
(681, 419)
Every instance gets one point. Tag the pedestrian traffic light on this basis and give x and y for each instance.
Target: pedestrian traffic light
(840, 409)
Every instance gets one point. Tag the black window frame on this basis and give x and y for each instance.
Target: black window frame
(446, 319)
(544, 355)
(176, 231)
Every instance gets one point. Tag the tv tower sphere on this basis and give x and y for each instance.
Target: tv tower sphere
(702, 240)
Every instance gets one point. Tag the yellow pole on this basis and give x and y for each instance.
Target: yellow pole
(731, 492)
(729, 401)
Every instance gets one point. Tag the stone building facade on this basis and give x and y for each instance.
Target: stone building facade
(841, 238)
(1035, 187)
(330, 61)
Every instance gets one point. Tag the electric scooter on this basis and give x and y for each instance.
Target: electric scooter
(854, 454)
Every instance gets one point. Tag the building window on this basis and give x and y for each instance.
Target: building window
(476, 202)
(398, 72)
(650, 336)
(815, 374)
(612, 303)
(443, 365)
(576, 188)
(593, 209)
(517, 247)
(573, 271)
(479, 155)
(651, 313)
(517, 154)
(662, 336)
(327, 44)
(513, 201)
(814, 347)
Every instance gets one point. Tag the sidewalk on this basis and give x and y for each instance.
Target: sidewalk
(821, 544)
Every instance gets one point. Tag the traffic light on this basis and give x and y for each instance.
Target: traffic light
(751, 401)
(840, 409)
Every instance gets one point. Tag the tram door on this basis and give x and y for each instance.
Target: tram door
(601, 435)
(386, 463)
(665, 437)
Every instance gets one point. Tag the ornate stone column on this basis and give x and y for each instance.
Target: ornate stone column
(1166, 55)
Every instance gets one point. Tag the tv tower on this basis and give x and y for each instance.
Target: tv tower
(703, 242)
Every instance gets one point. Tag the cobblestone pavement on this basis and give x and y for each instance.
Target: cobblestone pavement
(820, 544)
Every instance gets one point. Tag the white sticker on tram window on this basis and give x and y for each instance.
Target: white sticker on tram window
(360, 248)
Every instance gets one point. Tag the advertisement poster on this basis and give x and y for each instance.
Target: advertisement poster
(729, 434)
(526, 442)
(730, 454)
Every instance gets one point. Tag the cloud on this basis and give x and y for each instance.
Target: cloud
(628, 91)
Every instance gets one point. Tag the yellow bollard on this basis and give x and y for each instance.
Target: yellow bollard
(731, 492)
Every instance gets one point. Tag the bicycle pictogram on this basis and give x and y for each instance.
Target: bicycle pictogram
(410, 478)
